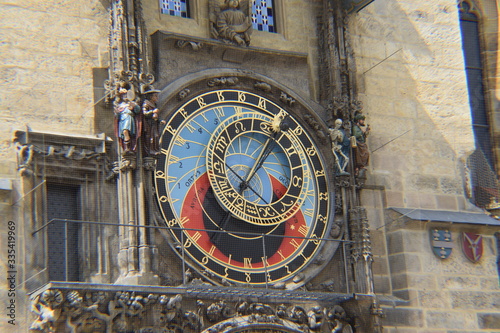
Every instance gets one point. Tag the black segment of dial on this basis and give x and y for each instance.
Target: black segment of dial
(236, 240)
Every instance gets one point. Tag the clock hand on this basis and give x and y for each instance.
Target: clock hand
(241, 189)
(222, 226)
(215, 237)
(277, 126)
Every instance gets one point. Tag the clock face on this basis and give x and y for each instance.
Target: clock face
(243, 187)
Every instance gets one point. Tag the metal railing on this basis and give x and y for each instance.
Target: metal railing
(70, 247)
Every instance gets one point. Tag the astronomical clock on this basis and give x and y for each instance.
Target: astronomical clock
(232, 213)
(244, 188)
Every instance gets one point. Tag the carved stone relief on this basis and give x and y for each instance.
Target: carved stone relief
(230, 21)
(124, 311)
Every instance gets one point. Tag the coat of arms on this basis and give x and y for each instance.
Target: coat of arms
(441, 243)
(472, 246)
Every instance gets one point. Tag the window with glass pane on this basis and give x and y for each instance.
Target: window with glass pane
(175, 7)
(481, 162)
(263, 18)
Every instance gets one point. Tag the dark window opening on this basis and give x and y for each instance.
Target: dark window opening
(63, 237)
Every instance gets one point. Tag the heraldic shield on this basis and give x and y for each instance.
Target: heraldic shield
(441, 243)
(472, 246)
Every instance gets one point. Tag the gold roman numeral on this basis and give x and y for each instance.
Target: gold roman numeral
(303, 229)
(204, 116)
(247, 262)
(294, 243)
(190, 128)
(173, 159)
(281, 255)
(309, 212)
(264, 261)
(238, 110)
(179, 141)
(219, 112)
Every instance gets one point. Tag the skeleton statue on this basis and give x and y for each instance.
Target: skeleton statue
(340, 147)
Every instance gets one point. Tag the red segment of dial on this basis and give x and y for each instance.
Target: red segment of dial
(192, 213)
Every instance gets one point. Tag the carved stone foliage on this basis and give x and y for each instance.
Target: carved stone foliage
(287, 99)
(195, 46)
(316, 126)
(124, 311)
(183, 94)
(223, 81)
(263, 86)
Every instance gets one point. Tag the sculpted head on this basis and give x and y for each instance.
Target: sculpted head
(232, 3)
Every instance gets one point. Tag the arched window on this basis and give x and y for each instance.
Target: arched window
(482, 161)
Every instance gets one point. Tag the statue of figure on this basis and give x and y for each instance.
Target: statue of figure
(127, 121)
(361, 154)
(315, 317)
(233, 24)
(340, 147)
(151, 123)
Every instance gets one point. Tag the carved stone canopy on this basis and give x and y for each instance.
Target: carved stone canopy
(56, 150)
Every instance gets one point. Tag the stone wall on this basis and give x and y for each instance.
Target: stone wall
(48, 50)
(433, 294)
(412, 84)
